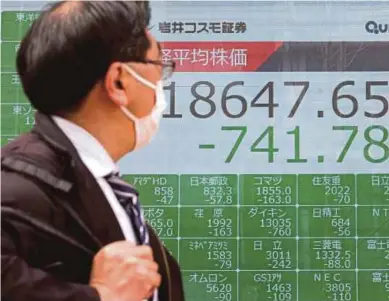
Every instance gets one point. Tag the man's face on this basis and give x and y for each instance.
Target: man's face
(141, 97)
(124, 89)
(131, 90)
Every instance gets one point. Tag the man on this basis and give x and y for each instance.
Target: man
(71, 228)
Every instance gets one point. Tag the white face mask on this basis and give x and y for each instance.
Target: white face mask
(147, 126)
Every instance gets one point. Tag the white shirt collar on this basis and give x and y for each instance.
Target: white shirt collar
(92, 153)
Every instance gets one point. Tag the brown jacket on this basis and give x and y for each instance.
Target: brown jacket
(55, 218)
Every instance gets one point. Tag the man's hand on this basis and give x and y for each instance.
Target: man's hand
(122, 271)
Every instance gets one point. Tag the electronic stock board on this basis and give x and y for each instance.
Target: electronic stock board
(269, 177)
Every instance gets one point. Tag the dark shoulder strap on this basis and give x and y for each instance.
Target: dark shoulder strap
(28, 167)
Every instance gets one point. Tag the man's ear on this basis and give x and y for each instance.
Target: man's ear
(114, 86)
(119, 84)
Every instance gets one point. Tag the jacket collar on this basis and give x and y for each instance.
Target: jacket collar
(98, 214)
(52, 134)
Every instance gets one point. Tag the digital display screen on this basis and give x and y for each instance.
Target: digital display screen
(269, 177)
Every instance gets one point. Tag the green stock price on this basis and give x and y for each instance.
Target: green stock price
(375, 136)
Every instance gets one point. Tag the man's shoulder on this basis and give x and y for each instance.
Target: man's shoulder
(20, 192)
(31, 146)
(19, 189)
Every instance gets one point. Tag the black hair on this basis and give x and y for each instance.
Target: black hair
(72, 44)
